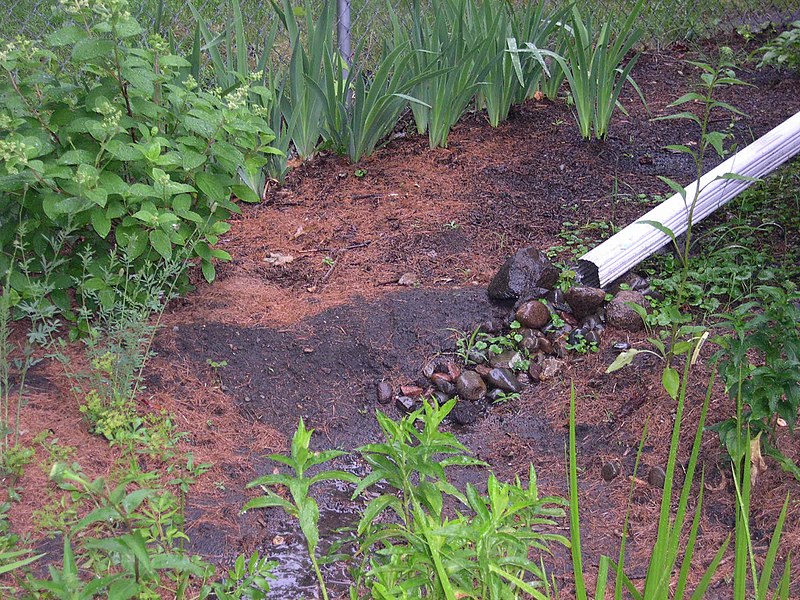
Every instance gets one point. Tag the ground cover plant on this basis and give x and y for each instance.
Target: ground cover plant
(168, 404)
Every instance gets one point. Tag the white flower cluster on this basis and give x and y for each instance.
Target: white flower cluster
(111, 116)
(12, 153)
(74, 7)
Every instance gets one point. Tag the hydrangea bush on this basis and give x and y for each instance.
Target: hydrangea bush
(108, 143)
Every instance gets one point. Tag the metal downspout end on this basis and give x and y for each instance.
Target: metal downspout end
(587, 273)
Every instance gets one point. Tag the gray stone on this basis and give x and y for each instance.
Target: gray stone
(404, 404)
(443, 384)
(656, 477)
(527, 269)
(622, 316)
(585, 300)
(464, 413)
(550, 368)
(590, 322)
(593, 337)
(495, 395)
(503, 379)
(610, 470)
(384, 392)
(535, 372)
(505, 359)
(470, 386)
(533, 314)
(441, 397)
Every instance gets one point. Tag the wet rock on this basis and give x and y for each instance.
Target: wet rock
(441, 397)
(482, 370)
(524, 379)
(622, 316)
(435, 365)
(545, 345)
(558, 299)
(527, 269)
(404, 404)
(535, 372)
(470, 386)
(593, 337)
(476, 356)
(464, 413)
(503, 379)
(610, 470)
(550, 368)
(533, 314)
(505, 359)
(413, 391)
(585, 300)
(442, 383)
(576, 336)
(559, 348)
(590, 322)
(384, 392)
(656, 477)
(621, 346)
(495, 395)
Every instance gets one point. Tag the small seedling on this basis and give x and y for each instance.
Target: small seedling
(328, 262)
(360, 173)
(451, 225)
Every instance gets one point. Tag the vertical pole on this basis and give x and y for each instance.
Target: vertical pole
(343, 30)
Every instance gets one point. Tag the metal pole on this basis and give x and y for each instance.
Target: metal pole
(343, 30)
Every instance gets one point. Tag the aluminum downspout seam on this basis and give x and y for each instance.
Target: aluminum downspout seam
(627, 248)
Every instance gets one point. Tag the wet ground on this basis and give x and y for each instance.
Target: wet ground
(311, 337)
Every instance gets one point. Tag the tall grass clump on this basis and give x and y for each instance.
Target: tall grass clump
(592, 64)
(507, 25)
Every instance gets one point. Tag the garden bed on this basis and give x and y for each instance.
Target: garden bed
(310, 315)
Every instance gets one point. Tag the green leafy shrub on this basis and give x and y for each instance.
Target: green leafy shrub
(784, 51)
(120, 147)
(760, 363)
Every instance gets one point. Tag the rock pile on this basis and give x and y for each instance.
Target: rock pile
(497, 361)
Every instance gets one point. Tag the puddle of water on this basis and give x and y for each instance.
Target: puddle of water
(293, 576)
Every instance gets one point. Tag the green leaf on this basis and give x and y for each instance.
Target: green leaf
(212, 187)
(88, 49)
(209, 272)
(671, 381)
(101, 222)
(623, 360)
(161, 242)
(244, 193)
(66, 36)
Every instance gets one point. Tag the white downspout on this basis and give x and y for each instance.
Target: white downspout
(624, 250)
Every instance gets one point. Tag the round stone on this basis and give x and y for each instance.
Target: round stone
(533, 314)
